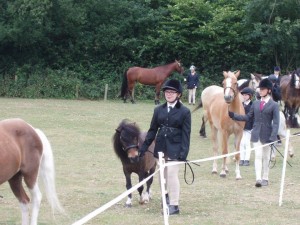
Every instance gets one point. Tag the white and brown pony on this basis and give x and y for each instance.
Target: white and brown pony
(216, 102)
(25, 153)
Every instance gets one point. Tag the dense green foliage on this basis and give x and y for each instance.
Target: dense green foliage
(71, 49)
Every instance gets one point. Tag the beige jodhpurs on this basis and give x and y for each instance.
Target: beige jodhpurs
(172, 186)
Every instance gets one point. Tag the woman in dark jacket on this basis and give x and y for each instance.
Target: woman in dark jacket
(171, 127)
(192, 84)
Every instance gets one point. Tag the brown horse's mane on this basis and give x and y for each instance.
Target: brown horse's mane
(129, 131)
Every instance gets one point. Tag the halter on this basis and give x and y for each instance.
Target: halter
(233, 90)
(129, 147)
(126, 149)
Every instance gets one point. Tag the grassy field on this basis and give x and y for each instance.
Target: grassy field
(89, 174)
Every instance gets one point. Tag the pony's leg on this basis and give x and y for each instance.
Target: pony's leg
(224, 141)
(282, 133)
(128, 203)
(202, 129)
(214, 133)
(237, 142)
(142, 175)
(131, 92)
(157, 94)
(147, 196)
(36, 202)
(17, 188)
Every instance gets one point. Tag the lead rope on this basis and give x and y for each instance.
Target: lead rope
(272, 150)
(187, 162)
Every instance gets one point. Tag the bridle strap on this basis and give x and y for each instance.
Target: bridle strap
(233, 90)
(130, 146)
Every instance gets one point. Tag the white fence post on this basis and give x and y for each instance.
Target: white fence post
(105, 92)
(287, 140)
(162, 187)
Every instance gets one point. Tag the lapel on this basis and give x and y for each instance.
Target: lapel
(267, 105)
(175, 109)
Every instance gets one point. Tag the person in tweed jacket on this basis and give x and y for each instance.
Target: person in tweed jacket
(265, 114)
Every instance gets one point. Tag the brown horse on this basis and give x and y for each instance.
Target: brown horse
(126, 141)
(25, 153)
(216, 102)
(154, 77)
(290, 94)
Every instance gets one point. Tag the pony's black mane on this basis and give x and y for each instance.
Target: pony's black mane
(128, 130)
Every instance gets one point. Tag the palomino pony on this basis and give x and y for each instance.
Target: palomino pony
(25, 153)
(290, 93)
(216, 102)
(127, 140)
(154, 77)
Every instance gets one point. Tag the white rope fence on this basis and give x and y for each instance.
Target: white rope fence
(161, 170)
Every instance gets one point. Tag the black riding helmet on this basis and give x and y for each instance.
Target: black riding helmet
(173, 85)
(266, 83)
(247, 91)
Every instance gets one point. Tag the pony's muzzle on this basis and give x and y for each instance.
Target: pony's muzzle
(135, 159)
(228, 98)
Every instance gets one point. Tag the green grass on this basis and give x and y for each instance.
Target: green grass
(89, 174)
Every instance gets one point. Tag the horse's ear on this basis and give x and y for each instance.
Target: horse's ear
(225, 74)
(118, 130)
(237, 73)
(252, 76)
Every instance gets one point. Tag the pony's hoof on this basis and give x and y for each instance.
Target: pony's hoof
(223, 175)
(238, 178)
(128, 205)
(214, 172)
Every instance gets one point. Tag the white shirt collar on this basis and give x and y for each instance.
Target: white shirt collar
(247, 102)
(266, 99)
(171, 104)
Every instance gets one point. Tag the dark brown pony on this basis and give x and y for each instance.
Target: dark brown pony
(154, 77)
(290, 95)
(216, 101)
(25, 153)
(126, 141)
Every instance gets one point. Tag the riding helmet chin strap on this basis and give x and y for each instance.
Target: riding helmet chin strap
(268, 93)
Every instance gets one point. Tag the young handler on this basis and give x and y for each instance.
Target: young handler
(265, 113)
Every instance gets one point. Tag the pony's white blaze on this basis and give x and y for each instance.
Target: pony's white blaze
(228, 83)
(297, 82)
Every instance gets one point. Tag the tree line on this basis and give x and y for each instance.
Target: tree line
(71, 49)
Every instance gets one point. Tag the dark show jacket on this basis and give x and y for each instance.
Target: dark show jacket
(171, 131)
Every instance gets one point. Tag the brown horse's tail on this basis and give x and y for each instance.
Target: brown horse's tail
(124, 87)
(198, 107)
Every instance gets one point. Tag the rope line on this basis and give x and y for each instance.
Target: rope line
(134, 188)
